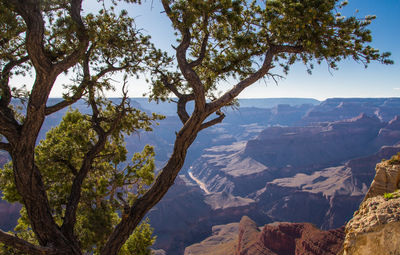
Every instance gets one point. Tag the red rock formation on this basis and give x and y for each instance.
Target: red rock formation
(280, 238)
(287, 238)
(248, 238)
(301, 238)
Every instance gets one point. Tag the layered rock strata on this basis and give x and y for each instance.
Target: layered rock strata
(375, 227)
(276, 238)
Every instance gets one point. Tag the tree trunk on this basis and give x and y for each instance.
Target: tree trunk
(164, 181)
(27, 176)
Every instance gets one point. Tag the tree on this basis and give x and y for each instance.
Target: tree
(239, 41)
(105, 190)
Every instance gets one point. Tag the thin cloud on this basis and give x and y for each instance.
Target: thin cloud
(396, 88)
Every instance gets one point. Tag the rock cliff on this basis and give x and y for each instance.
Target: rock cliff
(285, 167)
(276, 238)
(187, 215)
(317, 146)
(375, 227)
(316, 143)
(386, 180)
(223, 241)
(343, 108)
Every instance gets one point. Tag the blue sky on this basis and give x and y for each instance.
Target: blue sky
(352, 79)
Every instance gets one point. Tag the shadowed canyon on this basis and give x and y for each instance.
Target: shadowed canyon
(272, 160)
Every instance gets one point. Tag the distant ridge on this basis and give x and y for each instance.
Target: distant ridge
(272, 102)
(170, 109)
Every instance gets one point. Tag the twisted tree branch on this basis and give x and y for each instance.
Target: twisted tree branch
(212, 122)
(182, 112)
(239, 87)
(204, 43)
(69, 61)
(24, 246)
(75, 194)
(4, 79)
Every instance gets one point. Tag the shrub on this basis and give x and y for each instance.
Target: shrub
(395, 159)
(388, 196)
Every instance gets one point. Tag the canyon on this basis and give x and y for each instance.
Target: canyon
(287, 160)
(373, 229)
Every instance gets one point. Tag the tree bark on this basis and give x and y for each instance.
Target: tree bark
(164, 181)
(22, 137)
(24, 246)
(28, 179)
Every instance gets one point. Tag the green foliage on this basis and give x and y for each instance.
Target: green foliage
(239, 33)
(219, 40)
(12, 37)
(139, 241)
(112, 184)
(388, 196)
(108, 189)
(395, 159)
(395, 194)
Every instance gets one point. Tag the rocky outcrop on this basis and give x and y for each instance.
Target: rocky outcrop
(387, 180)
(248, 238)
(363, 169)
(375, 227)
(301, 238)
(223, 241)
(273, 239)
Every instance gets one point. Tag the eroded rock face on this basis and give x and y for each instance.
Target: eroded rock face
(326, 198)
(375, 227)
(344, 108)
(310, 186)
(273, 239)
(249, 238)
(315, 147)
(386, 180)
(222, 242)
(301, 238)
(245, 167)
